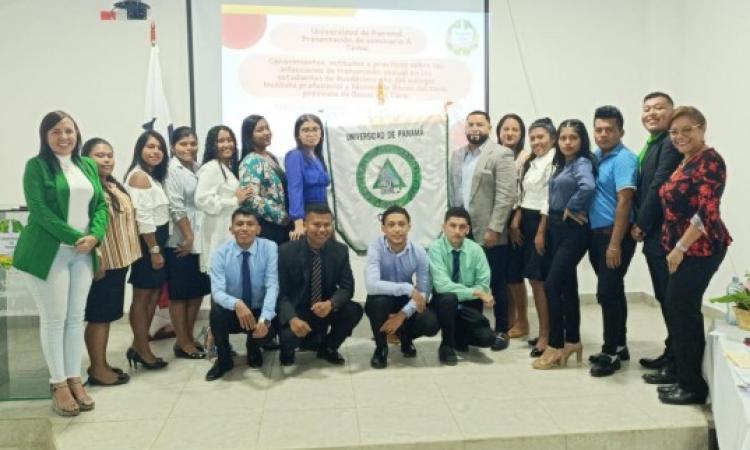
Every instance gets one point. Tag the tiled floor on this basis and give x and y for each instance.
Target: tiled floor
(489, 400)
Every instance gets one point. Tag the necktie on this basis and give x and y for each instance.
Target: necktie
(316, 286)
(644, 150)
(456, 272)
(247, 291)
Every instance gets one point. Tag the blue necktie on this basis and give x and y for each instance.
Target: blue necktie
(247, 291)
(456, 273)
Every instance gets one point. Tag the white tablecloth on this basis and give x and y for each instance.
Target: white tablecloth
(730, 403)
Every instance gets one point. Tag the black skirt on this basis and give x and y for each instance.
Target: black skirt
(185, 281)
(142, 274)
(107, 297)
(533, 262)
(273, 231)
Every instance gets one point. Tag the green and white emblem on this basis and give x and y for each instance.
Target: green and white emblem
(388, 175)
(462, 38)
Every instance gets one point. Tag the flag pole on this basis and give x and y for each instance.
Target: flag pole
(153, 34)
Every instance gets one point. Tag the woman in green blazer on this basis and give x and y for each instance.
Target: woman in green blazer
(67, 219)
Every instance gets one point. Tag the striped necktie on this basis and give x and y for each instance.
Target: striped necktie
(316, 280)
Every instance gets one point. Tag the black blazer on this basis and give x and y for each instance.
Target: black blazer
(660, 161)
(294, 276)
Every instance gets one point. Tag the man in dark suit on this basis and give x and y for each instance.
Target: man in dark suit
(657, 160)
(316, 287)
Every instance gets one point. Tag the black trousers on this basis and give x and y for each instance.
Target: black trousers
(657, 268)
(330, 331)
(682, 305)
(462, 323)
(566, 244)
(223, 323)
(610, 288)
(378, 307)
(272, 231)
(497, 257)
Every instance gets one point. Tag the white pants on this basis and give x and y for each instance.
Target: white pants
(61, 300)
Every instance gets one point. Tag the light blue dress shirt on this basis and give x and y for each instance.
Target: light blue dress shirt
(390, 273)
(617, 170)
(467, 174)
(226, 276)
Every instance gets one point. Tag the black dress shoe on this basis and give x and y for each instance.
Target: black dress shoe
(122, 378)
(604, 366)
(665, 375)
(624, 354)
(501, 342)
(218, 370)
(532, 342)
(681, 396)
(408, 349)
(286, 359)
(536, 352)
(379, 359)
(666, 388)
(254, 357)
(654, 363)
(447, 355)
(331, 355)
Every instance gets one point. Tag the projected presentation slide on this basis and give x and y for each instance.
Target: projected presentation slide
(281, 62)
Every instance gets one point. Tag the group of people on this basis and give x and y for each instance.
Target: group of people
(258, 236)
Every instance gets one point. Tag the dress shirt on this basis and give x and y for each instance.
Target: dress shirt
(474, 269)
(572, 187)
(180, 189)
(467, 174)
(80, 193)
(226, 276)
(390, 273)
(535, 182)
(617, 170)
(307, 181)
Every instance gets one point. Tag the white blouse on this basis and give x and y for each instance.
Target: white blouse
(151, 204)
(80, 194)
(215, 196)
(535, 184)
(180, 187)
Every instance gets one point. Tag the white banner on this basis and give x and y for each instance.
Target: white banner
(379, 162)
(156, 114)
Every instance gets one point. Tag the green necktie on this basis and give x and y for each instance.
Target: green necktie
(644, 151)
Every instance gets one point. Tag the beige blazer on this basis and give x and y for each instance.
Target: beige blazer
(493, 189)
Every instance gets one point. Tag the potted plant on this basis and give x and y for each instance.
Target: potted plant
(739, 294)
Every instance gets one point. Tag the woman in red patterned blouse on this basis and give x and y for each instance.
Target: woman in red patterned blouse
(696, 240)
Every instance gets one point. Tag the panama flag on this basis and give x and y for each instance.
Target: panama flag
(156, 116)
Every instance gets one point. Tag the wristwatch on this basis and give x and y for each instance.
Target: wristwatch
(154, 250)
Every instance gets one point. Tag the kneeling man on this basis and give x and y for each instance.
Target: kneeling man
(315, 300)
(244, 286)
(461, 281)
(396, 304)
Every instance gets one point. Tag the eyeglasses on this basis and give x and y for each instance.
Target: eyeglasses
(684, 130)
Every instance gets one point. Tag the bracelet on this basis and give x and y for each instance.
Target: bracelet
(679, 246)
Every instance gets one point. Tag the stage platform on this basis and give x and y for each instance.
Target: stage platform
(490, 400)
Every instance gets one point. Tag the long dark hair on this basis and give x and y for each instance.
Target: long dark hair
(49, 121)
(583, 152)
(521, 140)
(549, 127)
(88, 146)
(318, 150)
(211, 149)
(248, 128)
(160, 171)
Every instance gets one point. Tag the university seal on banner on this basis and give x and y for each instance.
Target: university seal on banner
(462, 38)
(388, 175)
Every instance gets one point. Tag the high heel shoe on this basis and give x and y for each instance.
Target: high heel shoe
(549, 359)
(57, 408)
(85, 402)
(569, 349)
(122, 378)
(134, 359)
(180, 353)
